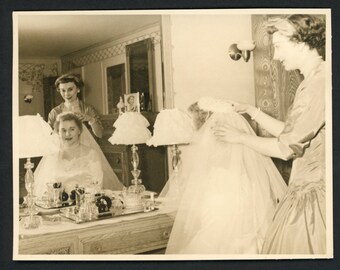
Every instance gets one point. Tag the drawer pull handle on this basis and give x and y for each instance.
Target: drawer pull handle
(96, 248)
(166, 234)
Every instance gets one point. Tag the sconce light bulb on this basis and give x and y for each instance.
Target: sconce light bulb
(28, 98)
(246, 55)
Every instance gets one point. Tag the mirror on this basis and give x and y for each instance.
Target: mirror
(140, 72)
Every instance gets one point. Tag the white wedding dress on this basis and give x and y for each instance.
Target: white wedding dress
(92, 165)
(224, 196)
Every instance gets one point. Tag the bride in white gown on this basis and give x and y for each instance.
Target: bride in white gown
(227, 192)
(69, 85)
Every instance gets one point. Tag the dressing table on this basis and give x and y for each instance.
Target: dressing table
(130, 234)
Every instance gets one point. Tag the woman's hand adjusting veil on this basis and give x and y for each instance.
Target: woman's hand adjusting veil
(226, 133)
(245, 108)
(84, 117)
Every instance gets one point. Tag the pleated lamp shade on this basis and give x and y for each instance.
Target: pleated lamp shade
(35, 137)
(172, 126)
(131, 128)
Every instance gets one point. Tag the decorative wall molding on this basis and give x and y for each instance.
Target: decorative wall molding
(101, 54)
(33, 73)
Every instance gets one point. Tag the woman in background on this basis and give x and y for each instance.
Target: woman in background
(74, 164)
(299, 225)
(69, 86)
(227, 193)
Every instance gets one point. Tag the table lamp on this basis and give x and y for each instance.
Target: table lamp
(35, 139)
(132, 129)
(172, 127)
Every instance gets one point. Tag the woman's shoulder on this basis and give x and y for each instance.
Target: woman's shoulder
(87, 107)
(54, 113)
(57, 109)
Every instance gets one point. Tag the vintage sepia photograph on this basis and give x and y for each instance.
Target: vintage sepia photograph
(132, 102)
(172, 135)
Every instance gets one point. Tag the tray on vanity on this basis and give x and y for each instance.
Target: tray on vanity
(45, 204)
(77, 217)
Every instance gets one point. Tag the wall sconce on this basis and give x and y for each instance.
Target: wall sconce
(28, 98)
(243, 49)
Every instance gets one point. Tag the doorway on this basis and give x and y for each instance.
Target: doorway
(115, 86)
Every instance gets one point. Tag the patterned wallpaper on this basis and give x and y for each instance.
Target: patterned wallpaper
(274, 86)
(74, 62)
(33, 73)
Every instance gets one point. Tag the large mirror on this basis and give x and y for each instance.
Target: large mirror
(140, 72)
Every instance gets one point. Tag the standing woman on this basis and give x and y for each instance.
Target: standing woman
(299, 225)
(69, 85)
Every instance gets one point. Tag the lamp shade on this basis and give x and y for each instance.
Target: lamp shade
(172, 126)
(35, 137)
(246, 45)
(131, 128)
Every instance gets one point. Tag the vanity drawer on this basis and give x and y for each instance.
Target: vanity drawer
(59, 244)
(123, 238)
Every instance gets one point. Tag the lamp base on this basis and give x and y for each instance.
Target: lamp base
(31, 222)
(137, 186)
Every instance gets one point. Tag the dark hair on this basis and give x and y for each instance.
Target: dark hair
(200, 115)
(68, 116)
(309, 29)
(68, 78)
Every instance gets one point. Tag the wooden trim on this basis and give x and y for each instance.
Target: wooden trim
(168, 90)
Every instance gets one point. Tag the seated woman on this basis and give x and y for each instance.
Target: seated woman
(74, 164)
(69, 85)
(227, 192)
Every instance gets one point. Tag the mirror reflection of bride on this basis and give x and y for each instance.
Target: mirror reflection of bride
(68, 85)
(74, 164)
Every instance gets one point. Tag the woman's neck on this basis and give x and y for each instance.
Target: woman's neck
(71, 103)
(309, 62)
(72, 147)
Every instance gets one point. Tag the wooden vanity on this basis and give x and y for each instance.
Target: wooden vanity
(134, 234)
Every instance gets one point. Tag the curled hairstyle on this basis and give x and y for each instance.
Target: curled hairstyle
(200, 116)
(68, 116)
(66, 78)
(309, 29)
